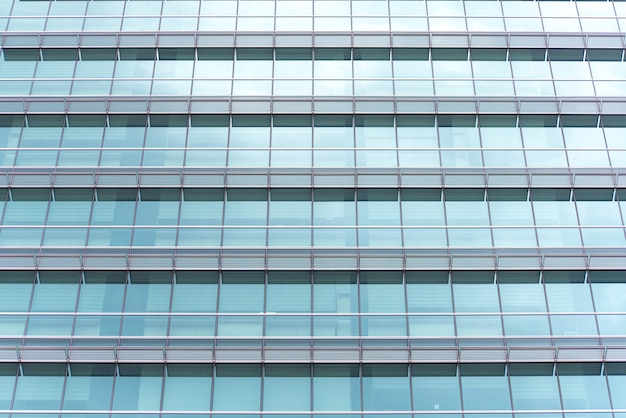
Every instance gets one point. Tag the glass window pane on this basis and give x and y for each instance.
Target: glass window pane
(88, 392)
(287, 388)
(476, 298)
(38, 392)
(584, 392)
(136, 393)
(436, 393)
(569, 297)
(335, 292)
(231, 380)
(242, 292)
(535, 392)
(289, 292)
(187, 387)
(386, 388)
(486, 392)
(522, 297)
(336, 388)
(55, 297)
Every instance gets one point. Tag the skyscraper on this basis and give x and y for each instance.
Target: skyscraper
(312, 208)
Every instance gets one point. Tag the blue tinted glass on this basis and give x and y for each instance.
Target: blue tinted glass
(287, 390)
(55, 297)
(436, 393)
(584, 392)
(88, 393)
(38, 392)
(385, 393)
(535, 392)
(233, 380)
(137, 393)
(187, 393)
(101, 297)
(486, 392)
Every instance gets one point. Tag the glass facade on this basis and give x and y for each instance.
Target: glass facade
(312, 208)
